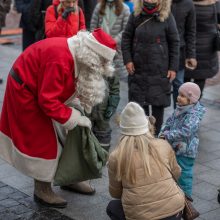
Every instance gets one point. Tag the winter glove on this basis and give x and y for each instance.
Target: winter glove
(66, 12)
(84, 122)
(113, 101)
(77, 118)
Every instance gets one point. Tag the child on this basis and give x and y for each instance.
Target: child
(139, 175)
(181, 131)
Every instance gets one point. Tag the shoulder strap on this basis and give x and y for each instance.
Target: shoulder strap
(144, 22)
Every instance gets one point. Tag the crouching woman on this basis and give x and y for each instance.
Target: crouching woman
(140, 172)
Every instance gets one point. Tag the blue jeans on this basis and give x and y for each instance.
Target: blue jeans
(186, 178)
(177, 82)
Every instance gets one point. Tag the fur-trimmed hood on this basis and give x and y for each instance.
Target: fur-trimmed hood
(164, 9)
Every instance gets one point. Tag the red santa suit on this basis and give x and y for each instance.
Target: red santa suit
(28, 140)
(59, 27)
(34, 98)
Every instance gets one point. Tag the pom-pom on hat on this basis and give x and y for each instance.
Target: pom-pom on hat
(191, 91)
(102, 43)
(133, 120)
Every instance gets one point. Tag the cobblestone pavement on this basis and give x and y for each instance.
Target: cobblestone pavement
(17, 205)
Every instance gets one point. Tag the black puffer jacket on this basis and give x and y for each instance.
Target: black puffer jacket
(184, 14)
(154, 49)
(205, 34)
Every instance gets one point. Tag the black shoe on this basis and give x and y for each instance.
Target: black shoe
(52, 205)
(1, 80)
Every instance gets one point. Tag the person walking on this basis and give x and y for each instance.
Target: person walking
(112, 16)
(207, 19)
(184, 14)
(44, 79)
(140, 170)
(150, 48)
(181, 131)
(64, 19)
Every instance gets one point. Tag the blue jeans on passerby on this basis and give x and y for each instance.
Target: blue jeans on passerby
(177, 82)
(186, 179)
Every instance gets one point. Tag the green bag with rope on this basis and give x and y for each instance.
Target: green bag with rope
(82, 158)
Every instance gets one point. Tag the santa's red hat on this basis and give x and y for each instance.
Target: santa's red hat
(102, 43)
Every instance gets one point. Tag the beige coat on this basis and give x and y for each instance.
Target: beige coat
(151, 197)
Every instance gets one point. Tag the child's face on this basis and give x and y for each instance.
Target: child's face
(182, 100)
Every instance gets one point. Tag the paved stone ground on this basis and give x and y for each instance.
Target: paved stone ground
(17, 205)
(16, 190)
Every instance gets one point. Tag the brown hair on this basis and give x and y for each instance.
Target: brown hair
(118, 7)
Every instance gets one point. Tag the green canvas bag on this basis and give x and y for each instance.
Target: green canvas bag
(82, 158)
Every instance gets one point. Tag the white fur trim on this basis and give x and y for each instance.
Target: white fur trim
(37, 168)
(99, 48)
(72, 121)
(70, 43)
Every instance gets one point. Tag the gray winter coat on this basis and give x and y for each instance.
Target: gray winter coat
(119, 25)
(4, 9)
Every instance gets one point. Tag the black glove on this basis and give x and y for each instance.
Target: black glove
(67, 11)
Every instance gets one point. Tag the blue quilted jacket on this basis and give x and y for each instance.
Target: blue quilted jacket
(181, 129)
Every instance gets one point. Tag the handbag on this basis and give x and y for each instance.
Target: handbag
(189, 211)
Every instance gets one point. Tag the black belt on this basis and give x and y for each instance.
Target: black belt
(17, 78)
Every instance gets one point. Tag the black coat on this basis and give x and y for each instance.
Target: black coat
(88, 7)
(206, 55)
(154, 49)
(30, 13)
(184, 14)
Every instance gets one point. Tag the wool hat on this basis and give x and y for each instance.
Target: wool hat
(191, 91)
(102, 43)
(133, 120)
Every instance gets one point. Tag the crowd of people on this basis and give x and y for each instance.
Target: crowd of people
(74, 52)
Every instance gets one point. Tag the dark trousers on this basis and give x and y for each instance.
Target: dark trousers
(115, 212)
(199, 82)
(158, 113)
(28, 38)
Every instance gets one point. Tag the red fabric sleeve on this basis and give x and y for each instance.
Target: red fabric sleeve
(51, 86)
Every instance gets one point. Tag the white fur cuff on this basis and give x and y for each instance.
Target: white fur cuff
(72, 121)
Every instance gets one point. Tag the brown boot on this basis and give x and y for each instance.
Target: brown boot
(44, 195)
(80, 187)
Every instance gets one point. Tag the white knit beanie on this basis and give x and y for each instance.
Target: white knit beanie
(133, 120)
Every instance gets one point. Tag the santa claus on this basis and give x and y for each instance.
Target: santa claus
(43, 80)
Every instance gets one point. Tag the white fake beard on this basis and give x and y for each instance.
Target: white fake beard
(92, 69)
(91, 89)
